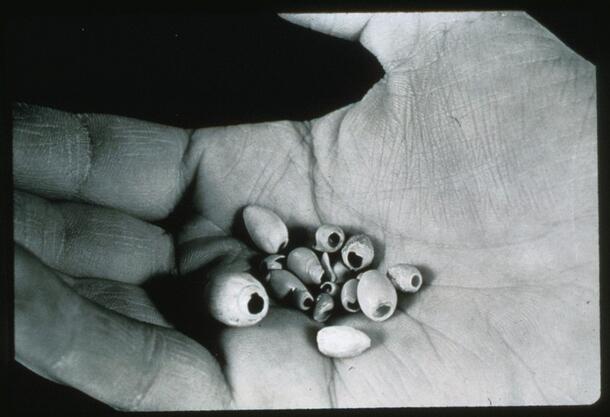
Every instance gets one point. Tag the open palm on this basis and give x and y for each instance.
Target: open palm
(473, 158)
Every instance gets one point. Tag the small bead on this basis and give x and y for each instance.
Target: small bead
(236, 299)
(266, 228)
(305, 265)
(342, 341)
(358, 252)
(329, 238)
(323, 308)
(376, 295)
(349, 296)
(405, 277)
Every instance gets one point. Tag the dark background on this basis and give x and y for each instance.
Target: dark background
(204, 69)
(196, 69)
(190, 71)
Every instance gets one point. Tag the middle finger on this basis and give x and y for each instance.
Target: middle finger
(89, 241)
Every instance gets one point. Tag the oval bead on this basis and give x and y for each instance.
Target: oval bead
(376, 295)
(266, 229)
(329, 274)
(332, 288)
(342, 341)
(358, 252)
(284, 286)
(305, 265)
(340, 271)
(323, 308)
(349, 296)
(271, 262)
(405, 277)
(236, 299)
(329, 238)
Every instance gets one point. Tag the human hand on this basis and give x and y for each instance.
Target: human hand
(474, 157)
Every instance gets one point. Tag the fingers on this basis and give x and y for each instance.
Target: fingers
(202, 244)
(87, 241)
(223, 253)
(125, 363)
(118, 162)
(126, 299)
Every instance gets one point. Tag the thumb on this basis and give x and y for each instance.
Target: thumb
(391, 37)
(341, 25)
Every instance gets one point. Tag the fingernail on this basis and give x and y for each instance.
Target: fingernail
(349, 296)
(376, 295)
(266, 228)
(405, 277)
(323, 308)
(342, 341)
(305, 264)
(358, 252)
(236, 299)
(329, 238)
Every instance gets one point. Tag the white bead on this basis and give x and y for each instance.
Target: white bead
(266, 228)
(342, 341)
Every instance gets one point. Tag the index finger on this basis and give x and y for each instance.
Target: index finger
(131, 165)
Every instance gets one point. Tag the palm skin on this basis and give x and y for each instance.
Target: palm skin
(474, 158)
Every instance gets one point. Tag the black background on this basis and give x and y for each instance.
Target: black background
(197, 69)
(204, 69)
(185, 70)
